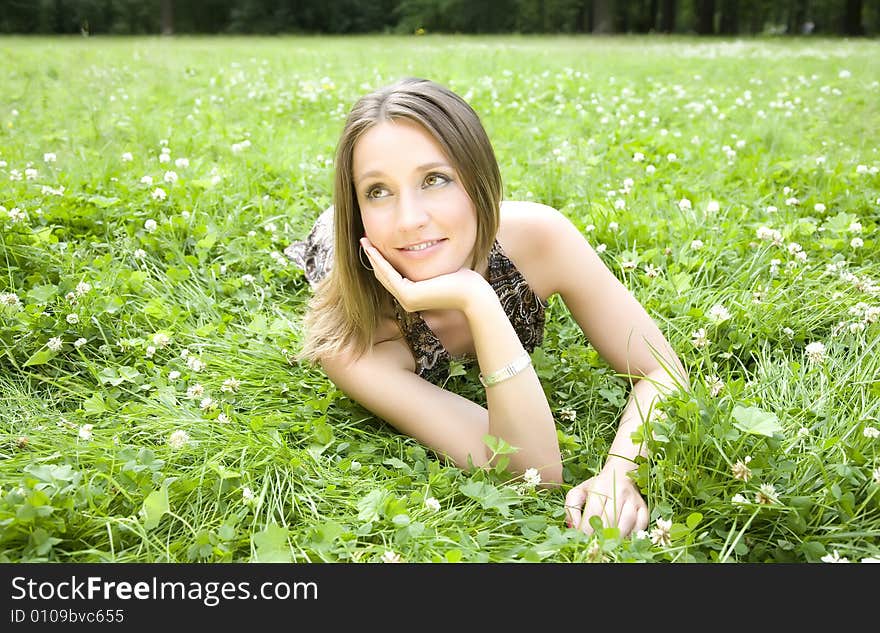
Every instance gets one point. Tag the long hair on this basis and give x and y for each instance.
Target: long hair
(349, 301)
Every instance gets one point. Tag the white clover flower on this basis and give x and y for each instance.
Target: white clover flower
(713, 206)
(601, 248)
(147, 180)
(194, 391)
(871, 432)
(741, 470)
(160, 339)
(17, 215)
(223, 419)
(532, 477)
(772, 209)
(819, 207)
(696, 245)
(650, 169)
(247, 496)
(207, 404)
(247, 278)
(792, 202)
(834, 557)
(173, 375)
(857, 327)
(158, 194)
(149, 351)
(10, 299)
(239, 147)
(856, 242)
(855, 227)
(715, 384)
(83, 288)
(230, 385)
(432, 504)
(738, 498)
(613, 226)
(650, 271)
(127, 157)
(862, 169)
(844, 74)
(638, 157)
(54, 343)
(642, 535)
(718, 313)
(391, 557)
(49, 157)
(79, 342)
(85, 432)
(699, 339)
(872, 314)
(815, 352)
(684, 204)
(178, 439)
(876, 475)
(794, 247)
(766, 494)
(660, 534)
(567, 414)
(72, 318)
(766, 233)
(181, 163)
(170, 177)
(671, 157)
(164, 157)
(820, 160)
(150, 225)
(195, 364)
(139, 253)
(31, 174)
(620, 203)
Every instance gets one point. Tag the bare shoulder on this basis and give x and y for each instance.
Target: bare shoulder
(526, 232)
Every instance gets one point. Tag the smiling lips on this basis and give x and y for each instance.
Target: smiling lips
(421, 246)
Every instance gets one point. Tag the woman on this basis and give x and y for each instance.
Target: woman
(419, 261)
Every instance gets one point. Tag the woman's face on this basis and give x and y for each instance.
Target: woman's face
(412, 203)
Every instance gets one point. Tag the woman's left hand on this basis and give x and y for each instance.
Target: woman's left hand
(610, 495)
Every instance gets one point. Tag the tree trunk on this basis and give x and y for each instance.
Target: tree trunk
(729, 17)
(705, 17)
(667, 16)
(603, 16)
(653, 8)
(852, 18)
(167, 17)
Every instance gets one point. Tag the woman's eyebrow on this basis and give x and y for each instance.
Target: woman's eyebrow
(424, 167)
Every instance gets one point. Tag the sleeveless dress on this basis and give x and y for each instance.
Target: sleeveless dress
(314, 256)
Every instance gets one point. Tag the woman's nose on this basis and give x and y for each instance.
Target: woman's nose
(411, 213)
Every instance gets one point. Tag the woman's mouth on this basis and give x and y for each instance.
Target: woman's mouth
(422, 247)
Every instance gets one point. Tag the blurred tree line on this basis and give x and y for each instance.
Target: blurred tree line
(703, 17)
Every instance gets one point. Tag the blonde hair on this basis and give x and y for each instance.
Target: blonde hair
(349, 301)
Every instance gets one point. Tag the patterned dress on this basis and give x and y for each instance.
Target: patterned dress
(523, 307)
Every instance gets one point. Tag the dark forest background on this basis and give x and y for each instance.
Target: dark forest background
(702, 17)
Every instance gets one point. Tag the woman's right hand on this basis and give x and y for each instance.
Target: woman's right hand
(452, 291)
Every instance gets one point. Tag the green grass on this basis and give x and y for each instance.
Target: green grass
(293, 470)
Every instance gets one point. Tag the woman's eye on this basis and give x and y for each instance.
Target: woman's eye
(435, 179)
(375, 192)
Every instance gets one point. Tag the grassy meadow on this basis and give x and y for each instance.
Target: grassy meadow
(151, 409)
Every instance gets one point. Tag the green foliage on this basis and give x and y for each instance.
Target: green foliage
(174, 423)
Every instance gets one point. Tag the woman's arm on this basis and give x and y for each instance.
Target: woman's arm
(623, 333)
(517, 410)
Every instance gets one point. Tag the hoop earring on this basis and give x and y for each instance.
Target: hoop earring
(360, 251)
